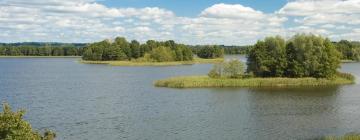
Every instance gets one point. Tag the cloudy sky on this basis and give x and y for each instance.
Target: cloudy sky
(230, 22)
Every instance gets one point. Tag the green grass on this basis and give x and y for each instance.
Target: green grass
(348, 61)
(205, 82)
(2, 56)
(137, 63)
(345, 137)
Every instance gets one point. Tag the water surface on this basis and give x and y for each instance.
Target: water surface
(91, 102)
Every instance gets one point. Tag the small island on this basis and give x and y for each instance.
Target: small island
(304, 60)
(120, 52)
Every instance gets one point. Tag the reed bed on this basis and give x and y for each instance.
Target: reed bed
(205, 82)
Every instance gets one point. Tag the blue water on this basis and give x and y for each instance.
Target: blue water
(91, 102)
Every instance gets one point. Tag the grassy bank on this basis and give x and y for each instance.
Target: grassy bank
(205, 81)
(137, 63)
(40, 56)
(348, 61)
(345, 137)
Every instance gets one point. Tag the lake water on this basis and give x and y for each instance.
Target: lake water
(92, 102)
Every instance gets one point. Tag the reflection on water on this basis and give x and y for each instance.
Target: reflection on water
(82, 101)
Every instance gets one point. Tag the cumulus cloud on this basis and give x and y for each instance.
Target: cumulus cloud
(88, 21)
(333, 18)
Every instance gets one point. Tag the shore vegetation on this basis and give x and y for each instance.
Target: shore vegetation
(304, 60)
(14, 127)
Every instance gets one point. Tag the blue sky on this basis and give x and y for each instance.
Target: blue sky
(193, 7)
(229, 22)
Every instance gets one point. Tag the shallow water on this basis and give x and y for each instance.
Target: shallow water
(81, 101)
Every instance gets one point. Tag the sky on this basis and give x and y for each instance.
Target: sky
(228, 22)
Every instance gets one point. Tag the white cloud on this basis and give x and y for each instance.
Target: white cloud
(88, 21)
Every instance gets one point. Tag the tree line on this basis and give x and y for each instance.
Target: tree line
(121, 49)
(208, 51)
(304, 55)
(349, 50)
(47, 50)
(243, 50)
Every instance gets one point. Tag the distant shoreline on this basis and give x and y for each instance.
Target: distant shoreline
(40, 56)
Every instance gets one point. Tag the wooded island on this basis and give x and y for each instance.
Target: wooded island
(303, 60)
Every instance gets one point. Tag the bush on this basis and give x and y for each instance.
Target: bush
(230, 69)
(216, 71)
(13, 127)
(161, 54)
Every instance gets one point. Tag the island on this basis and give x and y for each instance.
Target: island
(120, 52)
(303, 60)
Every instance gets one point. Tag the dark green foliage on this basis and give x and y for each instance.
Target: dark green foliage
(303, 56)
(124, 45)
(135, 49)
(268, 58)
(210, 52)
(13, 127)
(152, 50)
(40, 51)
(349, 50)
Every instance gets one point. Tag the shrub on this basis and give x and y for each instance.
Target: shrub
(230, 69)
(13, 127)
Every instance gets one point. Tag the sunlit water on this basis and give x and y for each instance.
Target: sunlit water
(93, 102)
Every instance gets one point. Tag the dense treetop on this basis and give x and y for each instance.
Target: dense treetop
(40, 50)
(121, 49)
(349, 50)
(302, 56)
(208, 51)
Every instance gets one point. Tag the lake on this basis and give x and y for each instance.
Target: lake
(92, 102)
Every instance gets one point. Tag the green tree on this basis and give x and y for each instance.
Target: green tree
(113, 52)
(70, 51)
(234, 69)
(162, 54)
(13, 127)
(231, 69)
(135, 49)
(312, 56)
(124, 45)
(57, 51)
(2, 50)
(187, 54)
(216, 71)
(268, 58)
(210, 52)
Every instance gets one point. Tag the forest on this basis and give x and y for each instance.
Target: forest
(41, 49)
(121, 49)
(151, 51)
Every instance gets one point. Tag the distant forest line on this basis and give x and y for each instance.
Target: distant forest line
(350, 50)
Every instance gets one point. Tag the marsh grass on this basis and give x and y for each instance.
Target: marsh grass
(345, 137)
(205, 81)
(143, 63)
